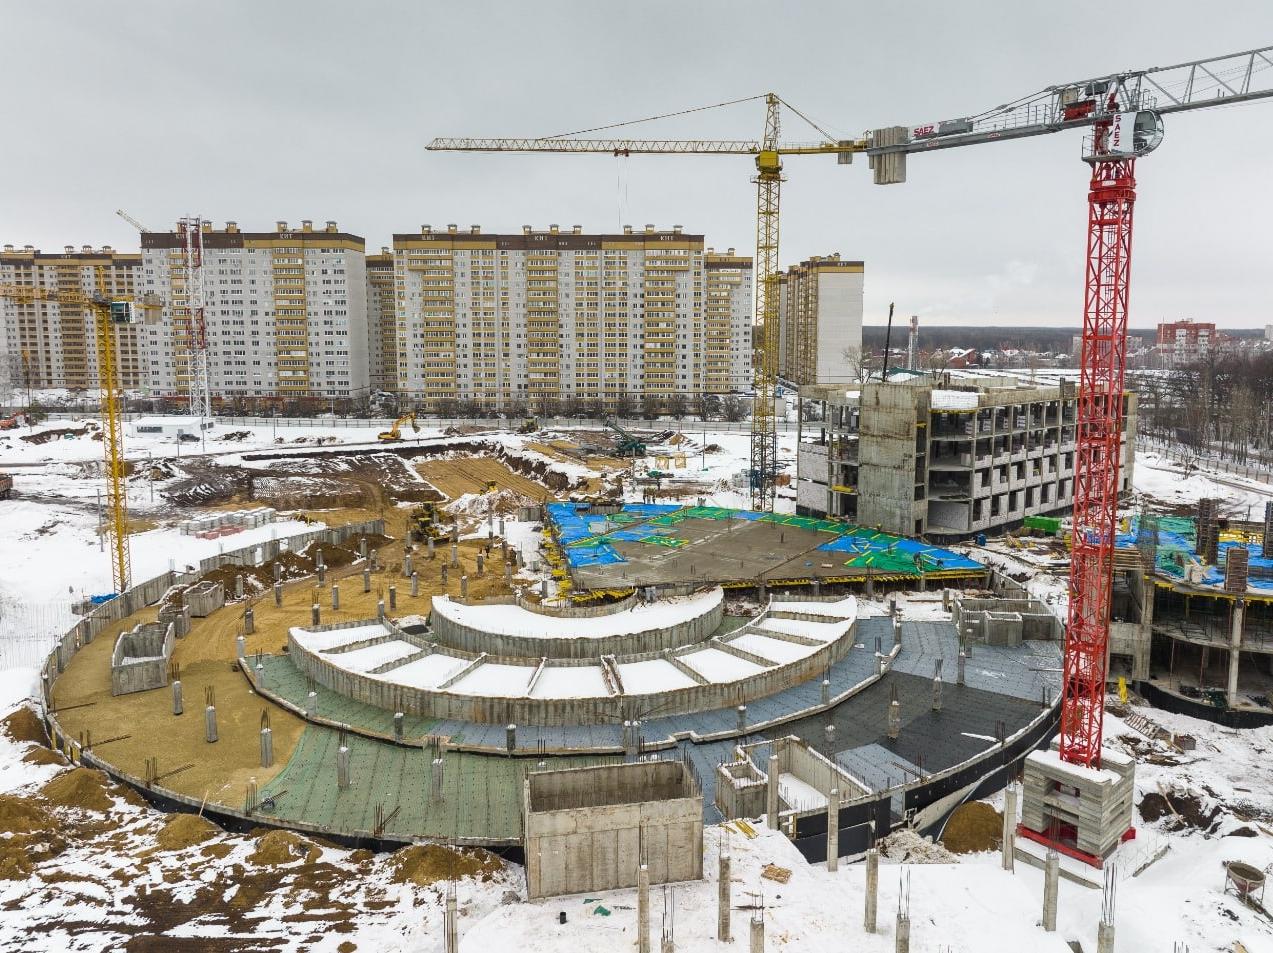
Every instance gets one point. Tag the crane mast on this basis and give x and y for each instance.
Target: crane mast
(764, 423)
(190, 228)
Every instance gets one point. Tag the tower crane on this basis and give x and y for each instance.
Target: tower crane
(108, 313)
(1123, 112)
(132, 221)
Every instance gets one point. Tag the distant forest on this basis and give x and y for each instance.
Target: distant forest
(989, 338)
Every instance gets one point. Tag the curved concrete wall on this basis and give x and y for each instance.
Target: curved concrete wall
(442, 704)
(470, 639)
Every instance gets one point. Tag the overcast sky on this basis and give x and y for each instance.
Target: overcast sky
(257, 111)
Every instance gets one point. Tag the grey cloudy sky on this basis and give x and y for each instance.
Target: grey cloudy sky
(257, 111)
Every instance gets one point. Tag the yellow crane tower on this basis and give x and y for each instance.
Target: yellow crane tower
(768, 152)
(107, 313)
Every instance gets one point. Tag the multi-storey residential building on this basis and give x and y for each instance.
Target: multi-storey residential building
(285, 312)
(945, 456)
(820, 320)
(727, 311)
(540, 317)
(50, 345)
(382, 323)
(1184, 342)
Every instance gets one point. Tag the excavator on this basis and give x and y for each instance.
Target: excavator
(423, 523)
(394, 433)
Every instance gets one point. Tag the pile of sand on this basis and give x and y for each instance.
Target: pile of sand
(275, 848)
(30, 836)
(973, 828)
(79, 787)
(424, 864)
(39, 755)
(23, 724)
(185, 830)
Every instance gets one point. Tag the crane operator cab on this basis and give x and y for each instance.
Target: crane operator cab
(1126, 135)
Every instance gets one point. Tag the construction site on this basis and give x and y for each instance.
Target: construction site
(342, 684)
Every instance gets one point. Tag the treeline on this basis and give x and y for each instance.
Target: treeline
(980, 338)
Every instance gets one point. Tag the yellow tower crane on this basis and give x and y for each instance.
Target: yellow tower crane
(107, 313)
(768, 152)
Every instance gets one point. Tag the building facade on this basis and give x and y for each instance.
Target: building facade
(285, 313)
(727, 321)
(945, 456)
(382, 323)
(820, 321)
(1184, 342)
(50, 345)
(544, 317)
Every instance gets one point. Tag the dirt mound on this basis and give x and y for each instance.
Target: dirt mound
(23, 724)
(79, 787)
(185, 830)
(424, 864)
(277, 847)
(44, 436)
(30, 836)
(1180, 811)
(973, 827)
(39, 755)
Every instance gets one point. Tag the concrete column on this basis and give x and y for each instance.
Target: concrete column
(771, 794)
(240, 646)
(238, 586)
(826, 691)
(833, 830)
(406, 565)
(322, 574)
(464, 587)
(451, 924)
(210, 724)
(366, 579)
(543, 588)
(1104, 937)
(342, 767)
(455, 553)
(415, 584)
(501, 528)
(318, 559)
(178, 706)
(872, 889)
(335, 596)
(758, 932)
(643, 909)
(508, 574)
(430, 545)
(278, 593)
(315, 614)
(398, 726)
(267, 748)
(959, 668)
(278, 571)
(723, 888)
(249, 621)
(510, 738)
(437, 779)
(903, 934)
(894, 719)
(444, 576)
(1051, 880)
(870, 585)
(393, 597)
(1235, 650)
(362, 547)
(380, 610)
(481, 564)
(742, 717)
(1009, 826)
(311, 704)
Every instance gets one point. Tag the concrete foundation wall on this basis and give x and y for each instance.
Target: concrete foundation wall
(140, 659)
(627, 813)
(1005, 620)
(204, 599)
(468, 639)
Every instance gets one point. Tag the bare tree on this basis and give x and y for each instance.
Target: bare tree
(677, 405)
(733, 409)
(625, 405)
(858, 362)
(651, 404)
(707, 405)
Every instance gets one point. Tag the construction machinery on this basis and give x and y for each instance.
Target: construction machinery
(424, 523)
(627, 445)
(1124, 112)
(108, 313)
(11, 422)
(394, 433)
(529, 425)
